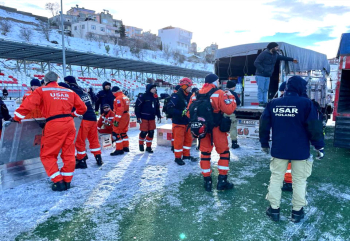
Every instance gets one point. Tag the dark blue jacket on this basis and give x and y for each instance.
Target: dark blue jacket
(104, 97)
(92, 95)
(294, 122)
(147, 105)
(84, 96)
(238, 101)
(265, 62)
(4, 113)
(176, 105)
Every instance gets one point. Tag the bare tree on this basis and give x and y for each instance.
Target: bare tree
(26, 33)
(104, 39)
(114, 39)
(52, 7)
(89, 36)
(120, 50)
(45, 29)
(5, 27)
(167, 53)
(178, 57)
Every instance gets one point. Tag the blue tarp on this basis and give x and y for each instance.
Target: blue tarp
(344, 46)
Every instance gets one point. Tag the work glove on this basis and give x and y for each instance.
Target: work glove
(97, 113)
(320, 154)
(266, 150)
(184, 112)
(159, 120)
(116, 123)
(139, 121)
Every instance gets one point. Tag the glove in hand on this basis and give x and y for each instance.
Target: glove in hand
(184, 112)
(139, 121)
(116, 123)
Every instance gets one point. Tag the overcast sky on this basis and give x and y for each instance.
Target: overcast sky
(317, 25)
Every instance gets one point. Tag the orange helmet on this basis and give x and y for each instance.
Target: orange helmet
(186, 81)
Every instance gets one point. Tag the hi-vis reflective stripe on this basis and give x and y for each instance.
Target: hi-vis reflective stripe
(75, 113)
(19, 115)
(96, 149)
(214, 95)
(289, 171)
(98, 128)
(118, 116)
(172, 139)
(141, 139)
(81, 152)
(67, 174)
(119, 141)
(223, 168)
(148, 140)
(193, 97)
(206, 170)
(178, 150)
(127, 139)
(186, 147)
(58, 89)
(125, 98)
(55, 175)
(110, 118)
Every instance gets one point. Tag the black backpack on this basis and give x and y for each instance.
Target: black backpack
(202, 116)
(165, 107)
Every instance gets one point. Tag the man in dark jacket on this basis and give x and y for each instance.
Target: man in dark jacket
(4, 114)
(92, 95)
(294, 124)
(177, 106)
(265, 65)
(231, 86)
(105, 96)
(146, 110)
(88, 128)
(5, 93)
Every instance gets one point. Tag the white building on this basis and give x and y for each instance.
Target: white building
(176, 38)
(80, 29)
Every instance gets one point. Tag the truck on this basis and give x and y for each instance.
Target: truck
(237, 63)
(341, 114)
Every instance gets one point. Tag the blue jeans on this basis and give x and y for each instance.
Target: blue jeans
(263, 88)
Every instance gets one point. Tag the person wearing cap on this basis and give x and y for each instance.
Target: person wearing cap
(105, 123)
(120, 122)
(36, 112)
(294, 123)
(146, 109)
(42, 82)
(265, 65)
(104, 96)
(5, 93)
(222, 103)
(87, 130)
(176, 89)
(231, 86)
(177, 107)
(56, 104)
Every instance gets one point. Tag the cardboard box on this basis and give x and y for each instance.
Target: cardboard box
(164, 135)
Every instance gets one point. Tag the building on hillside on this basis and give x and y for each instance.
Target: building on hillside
(95, 29)
(133, 32)
(151, 37)
(176, 39)
(81, 12)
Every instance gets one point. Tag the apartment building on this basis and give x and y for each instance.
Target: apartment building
(81, 29)
(176, 39)
(133, 32)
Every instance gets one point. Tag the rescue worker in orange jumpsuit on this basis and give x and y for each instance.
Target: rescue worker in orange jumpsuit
(222, 103)
(105, 123)
(146, 110)
(88, 128)
(182, 134)
(121, 121)
(35, 113)
(56, 104)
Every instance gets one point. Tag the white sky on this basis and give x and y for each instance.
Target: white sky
(217, 21)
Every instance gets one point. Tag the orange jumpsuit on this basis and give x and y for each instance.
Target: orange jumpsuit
(87, 130)
(35, 113)
(288, 175)
(107, 121)
(220, 101)
(59, 133)
(121, 109)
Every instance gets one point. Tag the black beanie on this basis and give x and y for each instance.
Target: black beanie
(62, 84)
(106, 105)
(42, 82)
(230, 84)
(210, 78)
(272, 45)
(70, 79)
(115, 89)
(35, 82)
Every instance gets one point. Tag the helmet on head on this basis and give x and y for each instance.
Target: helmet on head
(186, 81)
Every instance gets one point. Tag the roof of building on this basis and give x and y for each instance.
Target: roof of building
(344, 46)
(171, 27)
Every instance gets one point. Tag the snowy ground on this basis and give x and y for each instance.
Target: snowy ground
(141, 196)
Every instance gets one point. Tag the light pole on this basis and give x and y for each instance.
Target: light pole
(63, 45)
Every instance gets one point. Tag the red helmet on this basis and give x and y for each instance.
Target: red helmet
(186, 81)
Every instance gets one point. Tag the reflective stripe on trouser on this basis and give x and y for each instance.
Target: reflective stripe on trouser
(88, 130)
(149, 141)
(233, 128)
(125, 138)
(288, 175)
(221, 146)
(182, 140)
(301, 170)
(205, 164)
(58, 135)
(118, 142)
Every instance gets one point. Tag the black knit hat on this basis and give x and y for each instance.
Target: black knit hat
(35, 82)
(70, 79)
(115, 89)
(272, 45)
(230, 84)
(210, 78)
(106, 105)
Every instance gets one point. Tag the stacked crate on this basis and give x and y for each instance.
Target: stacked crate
(250, 95)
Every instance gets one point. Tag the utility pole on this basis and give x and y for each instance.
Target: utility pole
(63, 45)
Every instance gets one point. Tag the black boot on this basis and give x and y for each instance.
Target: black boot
(235, 145)
(117, 152)
(59, 186)
(99, 160)
(191, 158)
(179, 161)
(126, 149)
(208, 183)
(274, 214)
(149, 149)
(223, 184)
(288, 187)
(172, 149)
(81, 164)
(67, 185)
(297, 215)
(142, 148)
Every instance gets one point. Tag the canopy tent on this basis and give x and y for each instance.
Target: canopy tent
(344, 46)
